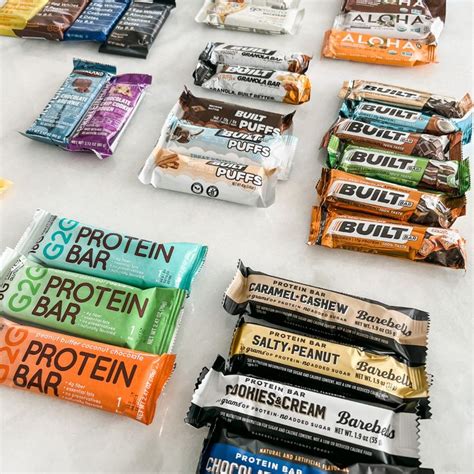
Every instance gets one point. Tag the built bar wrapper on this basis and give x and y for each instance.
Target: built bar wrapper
(89, 373)
(65, 110)
(334, 228)
(368, 48)
(89, 307)
(336, 369)
(433, 147)
(219, 114)
(338, 427)
(250, 185)
(67, 244)
(110, 114)
(406, 120)
(53, 20)
(452, 177)
(251, 56)
(398, 331)
(14, 14)
(224, 449)
(138, 28)
(356, 193)
(426, 102)
(256, 16)
(265, 84)
(267, 151)
(97, 21)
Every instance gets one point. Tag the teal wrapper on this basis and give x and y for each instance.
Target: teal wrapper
(66, 244)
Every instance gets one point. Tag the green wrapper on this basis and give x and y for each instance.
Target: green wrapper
(89, 307)
(447, 176)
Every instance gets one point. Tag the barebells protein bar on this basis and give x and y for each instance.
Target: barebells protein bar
(452, 177)
(356, 193)
(225, 449)
(65, 110)
(406, 120)
(235, 55)
(250, 185)
(433, 147)
(66, 244)
(89, 307)
(327, 367)
(97, 21)
(277, 86)
(426, 102)
(402, 332)
(53, 20)
(89, 373)
(268, 151)
(138, 28)
(335, 228)
(219, 114)
(109, 115)
(340, 428)
(258, 16)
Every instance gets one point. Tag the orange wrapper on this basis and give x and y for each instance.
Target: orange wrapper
(340, 229)
(368, 48)
(97, 375)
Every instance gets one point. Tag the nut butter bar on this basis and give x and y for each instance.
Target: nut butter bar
(356, 193)
(343, 428)
(334, 228)
(401, 332)
(452, 177)
(91, 374)
(89, 307)
(347, 371)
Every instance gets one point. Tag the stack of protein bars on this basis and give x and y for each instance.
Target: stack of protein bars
(90, 315)
(394, 32)
(125, 27)
(397, 177)
(323, 383)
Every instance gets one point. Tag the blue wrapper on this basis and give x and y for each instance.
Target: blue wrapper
(66, 244)
(97, 20)
(406, 120)
(64, 111)
(268, 151)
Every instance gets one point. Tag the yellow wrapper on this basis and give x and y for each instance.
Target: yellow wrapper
(4, 185)
(15, 14)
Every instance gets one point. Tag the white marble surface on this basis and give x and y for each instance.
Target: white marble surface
(40, 434)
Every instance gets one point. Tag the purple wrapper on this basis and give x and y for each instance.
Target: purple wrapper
(109, 114)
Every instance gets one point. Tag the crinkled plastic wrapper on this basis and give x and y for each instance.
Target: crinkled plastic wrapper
(89, 307)
(258, 16)
(360, 194)
(109, 115)
(338, 229)
(91, 374)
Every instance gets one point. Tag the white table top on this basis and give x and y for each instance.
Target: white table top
(41, 434)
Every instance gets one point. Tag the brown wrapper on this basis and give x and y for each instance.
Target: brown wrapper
(53, 20)
(220, 114)
(339, 229)
(356, 193)
(405, 97)
(441, 148)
